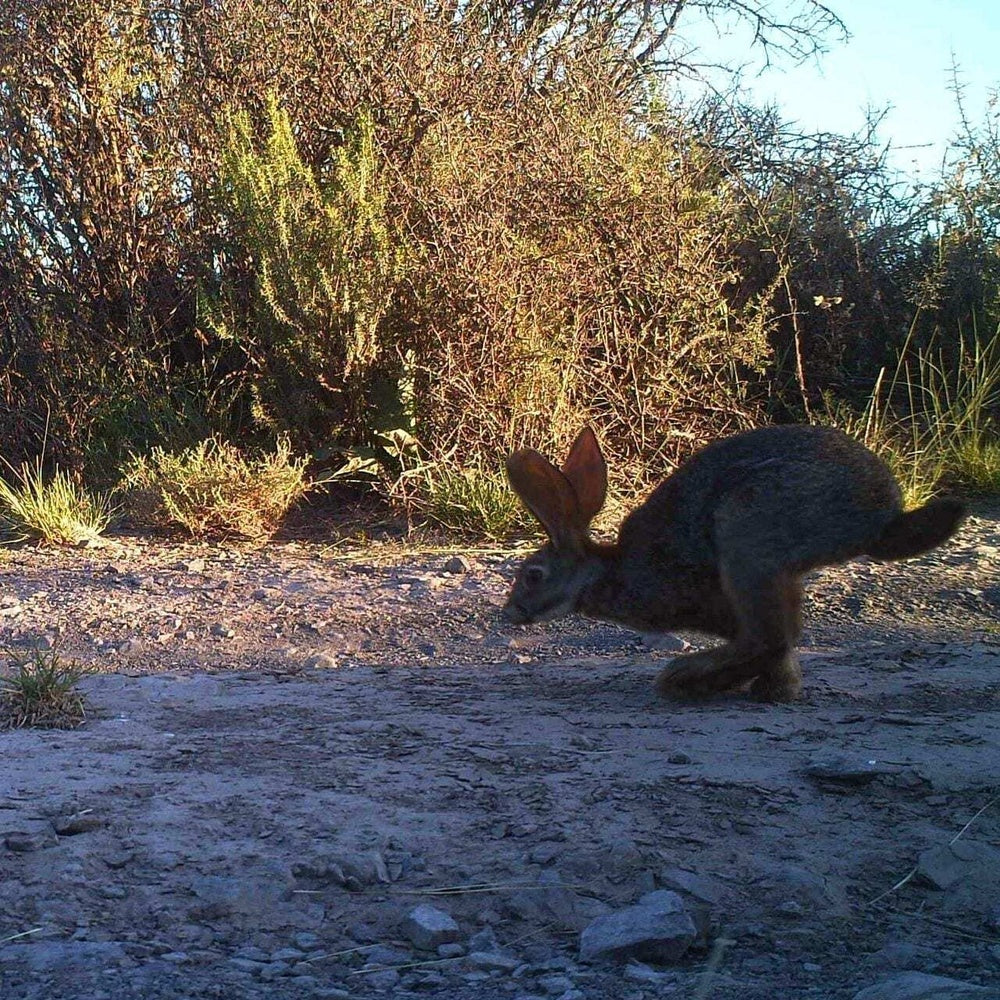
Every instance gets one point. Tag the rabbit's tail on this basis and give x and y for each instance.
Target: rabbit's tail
(914, 531)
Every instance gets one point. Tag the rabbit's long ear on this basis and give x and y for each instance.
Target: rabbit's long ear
(586, 469)
(548, 494)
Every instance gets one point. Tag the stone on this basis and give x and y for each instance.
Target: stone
(492, 961)
(322, 661)
(703, 889)
(428, 927)
(81, 822)
(919, 986)
(554, 984)
(452, 950)
(457, 565)
(23, 841)
(656, 929)
(383, 980)
(222, 631)
(967, 871)
(552, 904)
(839, 770)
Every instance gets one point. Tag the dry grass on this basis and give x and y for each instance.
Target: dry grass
(50, 508)
(214, 490)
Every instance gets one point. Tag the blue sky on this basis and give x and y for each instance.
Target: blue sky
(899, 55)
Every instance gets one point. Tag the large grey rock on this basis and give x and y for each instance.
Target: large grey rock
(428, 927)
(656, 929)
(919, 986)
(967, 871)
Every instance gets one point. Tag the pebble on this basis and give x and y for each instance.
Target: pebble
(322, 661)
(223, 631)
(83, 822)
(457, 565)
(428, 927)
(555, 985)
(386, 979)
(492, 961)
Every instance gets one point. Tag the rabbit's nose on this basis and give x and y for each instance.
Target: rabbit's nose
(512, 614)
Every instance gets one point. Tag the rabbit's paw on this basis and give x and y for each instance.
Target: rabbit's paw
(781, 682)
(697, 675)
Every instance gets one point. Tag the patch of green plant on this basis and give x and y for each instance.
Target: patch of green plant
(474, 503)
(470, 502)
(214, 490)
(51, 508)
(932, 420)
(42, 692)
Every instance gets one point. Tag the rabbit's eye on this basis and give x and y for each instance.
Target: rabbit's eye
(534, 575)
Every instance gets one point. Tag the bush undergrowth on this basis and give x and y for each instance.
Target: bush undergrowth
(213, 490)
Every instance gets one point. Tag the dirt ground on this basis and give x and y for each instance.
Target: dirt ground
(291, 747)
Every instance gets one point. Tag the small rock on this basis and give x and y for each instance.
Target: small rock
(492, 961)
(555, 985)
(22, 842)
(919, 986)
(82, 822)
(484, 940)
(428, 927)
(457, 565)
(290, 955)
(637, 972)
(322, 661)
(130, 647)
(383, 980)
(452, 950)
(194, 566)
(704, 889)
(275, 970)
(223, 631)
(839, 770)
(657, 929)
(545, 854)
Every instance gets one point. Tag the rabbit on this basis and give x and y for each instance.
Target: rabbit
(719, 547)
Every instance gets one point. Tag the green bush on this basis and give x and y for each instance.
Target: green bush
(214, 490)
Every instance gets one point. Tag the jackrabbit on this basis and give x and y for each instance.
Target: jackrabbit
(719, 547)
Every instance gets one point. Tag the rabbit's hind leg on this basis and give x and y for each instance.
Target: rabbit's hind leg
(762, 652)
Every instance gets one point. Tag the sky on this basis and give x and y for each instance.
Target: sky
(899, 57)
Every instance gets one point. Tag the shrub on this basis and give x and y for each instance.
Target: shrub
(213, 490)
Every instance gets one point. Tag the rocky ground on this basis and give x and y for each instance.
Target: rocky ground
(316, 773)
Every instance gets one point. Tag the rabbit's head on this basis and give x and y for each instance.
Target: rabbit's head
(550, 581)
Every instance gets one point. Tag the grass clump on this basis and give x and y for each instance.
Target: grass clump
(212, 489)
(474, 503)
(53, 509)
(932, 421)
(42, 692)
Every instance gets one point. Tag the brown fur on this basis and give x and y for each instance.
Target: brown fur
(720, 546)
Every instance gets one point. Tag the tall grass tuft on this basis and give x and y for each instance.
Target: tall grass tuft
(42, 692)
(213, 490)
(52, 508)
(932, 420)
